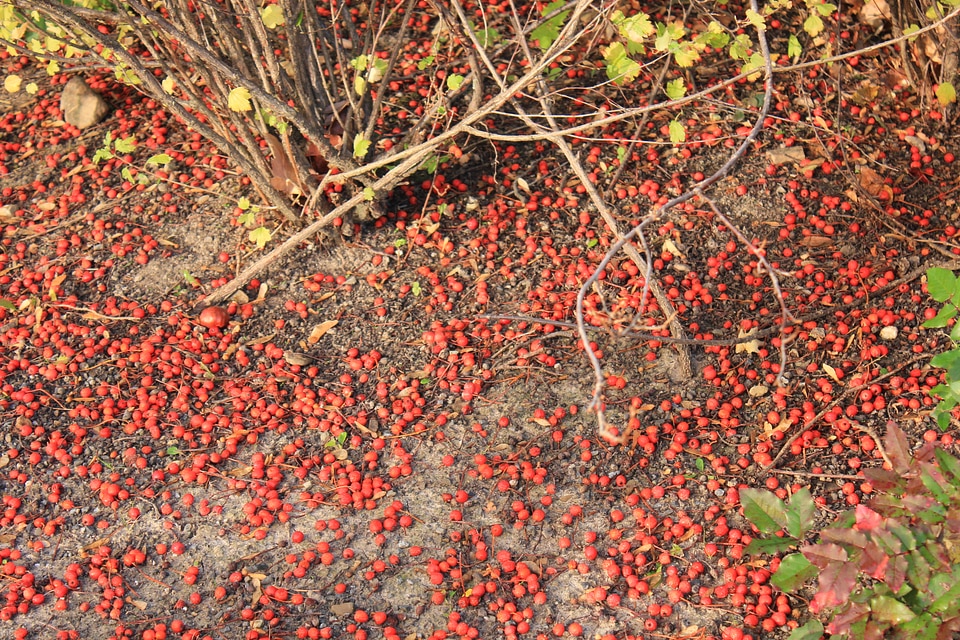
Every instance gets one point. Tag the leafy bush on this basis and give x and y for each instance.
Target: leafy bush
(887, 569)
(945, 287)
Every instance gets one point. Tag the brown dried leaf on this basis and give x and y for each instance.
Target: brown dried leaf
(319, 330)
(285, 176)
(872, 183)
(139, 604)
(260, 340)
(816, 242)
(93, 546)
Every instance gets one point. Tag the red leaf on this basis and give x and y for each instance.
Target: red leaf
(824, 555)
(897, 448)
(836, 583)
(867, 518)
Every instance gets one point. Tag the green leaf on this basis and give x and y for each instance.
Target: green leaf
(825, 9)
(676, 89)
(755, 19)
(360, 146)
(549, 30)
(947, 597)
(794, 49)
(946, 359)
(620, 68)
(813, 25)
(793, 573)
(369, 194)
(126, 174)
(173, 451)
(261, 236)
(160, 158)
(454, 81)
(740, 49)
(189, 279)
(765, 510)
(941, 319)
(890, 610)
(430, 164)
(685, 54)
(636, 28)
(677, 133)
(426, 62)
(243, 203)
(715, 36)
(485, 37)
(948, 465)
(774, 545)
(415, 287)
(941, 283)
(239, 99)
(800, 513)
(272, 16)
(126, 145)
(360, 63)
(668, 34)
(946, 94)
(813, 630)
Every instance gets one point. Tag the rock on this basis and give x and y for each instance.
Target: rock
(82, 106)
(889, 333)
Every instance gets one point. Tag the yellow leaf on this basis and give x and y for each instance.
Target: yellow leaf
(12, 83)
(750, 346)
(319, 330)
(272, 16)
(168, 84)
(239, 99)
(32, 88)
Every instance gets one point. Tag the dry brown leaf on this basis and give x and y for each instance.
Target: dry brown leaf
(93, 546)
(260, 340)
(321, 329)
(139, 604)
(540, 421)
(872, 183)
(831, 372)
(816, 241)
(7, 216)
(873, 13)
(285, 176)
(786, 155)
(297, 359)
(671, 248)
(750, 346)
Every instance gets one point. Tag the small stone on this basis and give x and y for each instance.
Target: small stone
(888, 333)
(82, 106)
(341, 609)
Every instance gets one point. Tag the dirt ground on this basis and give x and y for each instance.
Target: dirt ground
(379, 445)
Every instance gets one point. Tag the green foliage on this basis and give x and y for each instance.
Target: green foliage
(887, 569)
(945, 287)
(548, 30)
